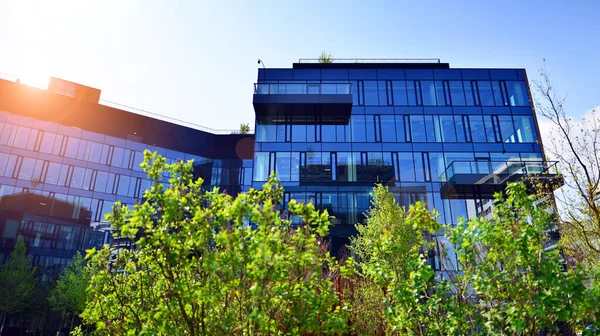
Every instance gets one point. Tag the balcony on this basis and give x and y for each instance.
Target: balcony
(481, 179)
(271, 99)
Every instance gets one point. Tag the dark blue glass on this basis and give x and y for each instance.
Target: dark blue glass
(399, 93)
(358, 128)
(417, 125)
(371, 93)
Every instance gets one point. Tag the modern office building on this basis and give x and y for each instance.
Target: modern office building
(330, 131)
(65, 159)
(448, 137)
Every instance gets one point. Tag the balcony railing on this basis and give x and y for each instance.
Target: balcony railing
(373, 60)
(503, 170)
(302, 88)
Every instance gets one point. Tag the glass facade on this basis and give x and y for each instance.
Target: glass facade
(405, 127)
(58, 182)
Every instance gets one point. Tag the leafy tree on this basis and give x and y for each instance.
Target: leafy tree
(244, 128)
(206, 263)
(17, 282)
(69, 295)
(576, 146)
(325, 58)
(508, 281)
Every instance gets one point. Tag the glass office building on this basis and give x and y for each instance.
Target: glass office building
(65, 160)
(447, 137)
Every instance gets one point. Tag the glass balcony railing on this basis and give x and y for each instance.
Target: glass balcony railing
(302, 88)
(496, 168)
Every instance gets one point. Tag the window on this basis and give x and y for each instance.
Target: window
(417, 126)
(371, 94)
(399, 89)
(77, 177)
(47, 142)
(431, 131)
(345, 168)
(27, 167)
(428, 93)
(471, 93)
(407, 167)
(388, 128)
(517, 93)
(524, 129)
(382, 90)
(460, 128)
(507, 129)
(358, 128)
(457, 93)
(485, 93)
(400, 128)
(72, 147)
(491, 128)
(261, 166)
(440, 91)
(123, 187)
(499, 89)
(372, 127)
(447, 128)
(477, 128)
(282, 166)
(413, 89)
(3, 163)
(117, 157)
(21, 137)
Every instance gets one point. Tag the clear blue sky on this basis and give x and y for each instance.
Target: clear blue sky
(196, 60)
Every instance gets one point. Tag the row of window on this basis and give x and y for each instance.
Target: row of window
(373, 167)
(53, 204)
(72, 147)
(440, 93)
(404, 128)
(42, 171)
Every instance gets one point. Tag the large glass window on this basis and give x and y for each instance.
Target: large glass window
(417, 125)
(517, 93)
(371, 94)
(72, 147)
(388, 128)
(491, 129)
(485, 93)
(358, 128)
(299, 129)
(524, 128)
(27, 167)
(295, 167)
(428, 93)
(460, 128)
(500, 93)
(457, 93)
(266, 132)
(261, 166)
(3, 162)
(282, 166)
(77, 177)
(447, 128)
(477, 128)
(399, 88)
(123, 188)
(21, 137)
(507, 129)
(436, 165)
(407, 167)
(431, 132)
(372, 126)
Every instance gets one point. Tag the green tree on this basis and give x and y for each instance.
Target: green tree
(69, 295)
(244, 128)
(17, 282)
(509, 281)
(207, 263)
(325, 58)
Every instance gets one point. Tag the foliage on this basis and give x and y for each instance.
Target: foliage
(576, 146)
(509, 282)
(244, 128)
(69, 295)
(325, 58)
(17, 281)
(365, 305)
(208, 263)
